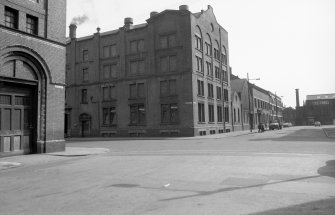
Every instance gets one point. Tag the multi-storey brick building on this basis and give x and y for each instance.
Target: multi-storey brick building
(32, 76)
(168, 76)
(261, 106)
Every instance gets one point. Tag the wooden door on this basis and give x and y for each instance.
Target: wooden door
(16, 120)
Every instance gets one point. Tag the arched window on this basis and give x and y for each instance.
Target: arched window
(208, 43)
(216, 50)
(224, 55)
(198, 38)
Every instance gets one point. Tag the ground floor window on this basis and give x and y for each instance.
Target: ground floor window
(219, 113)
(211, 113)
(201, 112)
(226, 114)
(109, 116)
(169, 113)
(137, 114)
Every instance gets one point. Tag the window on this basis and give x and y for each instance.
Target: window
(137, 90)
(234, 115)
(168, 63)
(217, 73)
(169, 113)
(211, 113)
(109, 51)
(137, 46)
(198, 42)
(216, 54)
(137, 67)
(219, 113)
(167, 41)
(110, 71)
(201, 88)
(85, 55)
(84, 96)
(208, 49)
(209, 68)
(11, 18)
(226, 114)
(224, 55)
(137, 114)
(201, 112)
(85, 75)
(218, 93)
(168, 88)
(225, 94)
(210, 91)
(108, 93)
(109, 116)
(238, 115)
(32, 25)
(199, 64)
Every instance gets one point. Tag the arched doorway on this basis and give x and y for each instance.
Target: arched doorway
(22, 104)
(85, 121)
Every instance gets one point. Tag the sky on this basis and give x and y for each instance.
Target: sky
(288, 44)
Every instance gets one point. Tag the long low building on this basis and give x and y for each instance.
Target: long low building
(166, 77)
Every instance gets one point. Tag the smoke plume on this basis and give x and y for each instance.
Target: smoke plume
(78, 20)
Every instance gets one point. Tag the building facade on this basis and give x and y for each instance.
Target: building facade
(319, 107)
(166, 77)
(257, 105)
(32, 76)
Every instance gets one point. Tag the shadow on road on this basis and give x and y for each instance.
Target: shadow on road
(304, 135)
(324, 207)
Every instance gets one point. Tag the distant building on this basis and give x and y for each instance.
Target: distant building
(166, 77)
(32, 76)
(319, 107)
(289, 115)
(261, 106)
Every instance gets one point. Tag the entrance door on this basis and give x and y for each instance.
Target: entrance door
(16, 119)
(85, 125)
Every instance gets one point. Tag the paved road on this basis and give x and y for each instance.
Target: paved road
(290, 171)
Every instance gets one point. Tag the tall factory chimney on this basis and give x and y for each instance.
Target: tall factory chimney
(297, 98)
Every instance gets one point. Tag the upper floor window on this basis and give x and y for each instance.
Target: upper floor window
(217, 73)
(211, 113)
(11, 18)
(218, 93)
(84, 96)
(32, 25)
(137, 46)
(85, 55)
(209, 68)
(224, 55)
(201, 88)
(199, 64)
(109, 51)
(225, 95)
(168, 63)
(210, 91)
(168, 87)
(108, 93)
(167, 41)
(137, 67)
(109, 71)
(85, 75)
(198, 42)
(208, 44)
(169, 113)
(136, 90)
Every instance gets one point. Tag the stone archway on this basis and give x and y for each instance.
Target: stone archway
(22, 102)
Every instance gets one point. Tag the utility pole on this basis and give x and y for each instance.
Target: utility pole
(250, 113)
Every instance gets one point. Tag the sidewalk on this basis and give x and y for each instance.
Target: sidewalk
(211, 136)
(32, 159)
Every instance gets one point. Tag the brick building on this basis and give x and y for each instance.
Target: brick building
(263, 105)
(32, 76)
(168, 76)
(320, 107)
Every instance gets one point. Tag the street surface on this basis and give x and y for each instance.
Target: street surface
(289, 171)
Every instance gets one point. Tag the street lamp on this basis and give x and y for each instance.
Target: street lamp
(250, 114)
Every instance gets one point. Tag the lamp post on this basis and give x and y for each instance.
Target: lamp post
(250, 114)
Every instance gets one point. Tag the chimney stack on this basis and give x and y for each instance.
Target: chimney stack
(73, 29)
(297, 98)
(128, 23)
(183, 7)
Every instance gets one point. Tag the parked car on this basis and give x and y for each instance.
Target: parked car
(274, 125)
(287, 124)
(317, 123)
